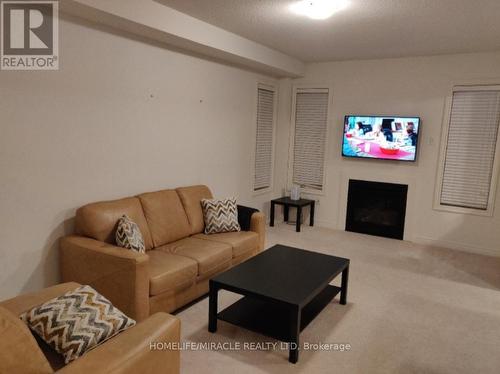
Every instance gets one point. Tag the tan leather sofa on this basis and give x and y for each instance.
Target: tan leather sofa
(128, 352)
(179, 261)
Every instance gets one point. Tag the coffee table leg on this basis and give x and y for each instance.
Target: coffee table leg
(311, 214)
(299, 215)
(271, 219)
(285, 212)
(343, 285)
(293, 355)
(212, 307)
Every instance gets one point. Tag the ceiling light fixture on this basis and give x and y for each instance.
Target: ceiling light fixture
(318, 9)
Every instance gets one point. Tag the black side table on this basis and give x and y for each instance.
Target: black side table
(299, 204)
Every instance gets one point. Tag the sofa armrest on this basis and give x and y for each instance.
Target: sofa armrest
(258, 225)
(132, 351)
(245, 216)
(19, 350)
(22, 303)
(119, 274)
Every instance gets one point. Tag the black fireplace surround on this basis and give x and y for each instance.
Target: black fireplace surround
(376, 208)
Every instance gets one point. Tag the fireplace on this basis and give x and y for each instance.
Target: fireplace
(376, 208)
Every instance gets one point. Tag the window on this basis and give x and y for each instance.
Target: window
(264, 148)
(309, 137)
(470, 150)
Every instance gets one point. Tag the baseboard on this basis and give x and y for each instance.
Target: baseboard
(457, 246)
(325, 224)
(450, 244)
(317, 223)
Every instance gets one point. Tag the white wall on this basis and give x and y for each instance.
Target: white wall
(120, 117)
(406, 86)
(123, 116)
(156, 21)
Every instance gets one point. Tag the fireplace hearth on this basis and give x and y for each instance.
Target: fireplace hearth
(376, 208)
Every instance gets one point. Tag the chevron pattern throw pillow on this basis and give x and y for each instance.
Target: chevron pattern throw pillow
(128, 235)
(220, 215)
(76, 322)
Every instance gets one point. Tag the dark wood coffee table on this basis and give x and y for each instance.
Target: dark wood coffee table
(285, 288)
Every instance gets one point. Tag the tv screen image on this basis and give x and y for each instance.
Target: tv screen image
(381, 137)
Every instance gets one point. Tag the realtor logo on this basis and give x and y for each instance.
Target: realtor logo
(29, 39)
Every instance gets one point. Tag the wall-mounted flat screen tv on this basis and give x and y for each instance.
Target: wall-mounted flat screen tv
(381, 137)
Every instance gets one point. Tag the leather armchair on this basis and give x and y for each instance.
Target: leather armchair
(128, 352)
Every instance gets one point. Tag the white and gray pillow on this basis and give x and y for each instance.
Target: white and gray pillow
(220, 215)
(128, 235)
(76, 322)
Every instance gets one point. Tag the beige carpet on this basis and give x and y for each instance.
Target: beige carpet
(411, 309)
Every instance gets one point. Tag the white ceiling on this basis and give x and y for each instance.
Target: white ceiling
(366, 29)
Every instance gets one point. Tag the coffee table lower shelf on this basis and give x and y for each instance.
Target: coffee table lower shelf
(273, 319)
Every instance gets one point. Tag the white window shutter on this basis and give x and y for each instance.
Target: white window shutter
(265, 141)
(311, 121)
(470, 149)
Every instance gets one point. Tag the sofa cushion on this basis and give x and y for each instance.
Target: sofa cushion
(99, 220)
(169, 272)
(165, 215)
(242, 242)
(210, 256)
(191, 200)
(20, 352)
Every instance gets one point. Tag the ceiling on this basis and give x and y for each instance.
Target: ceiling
(366, 29)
